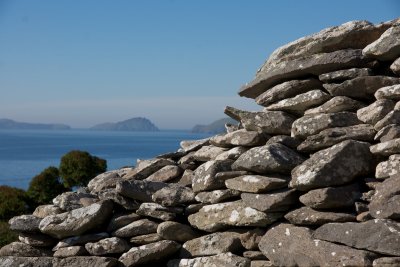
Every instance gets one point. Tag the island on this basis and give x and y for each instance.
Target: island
(133, 124)
(7, 124)
(215, 127)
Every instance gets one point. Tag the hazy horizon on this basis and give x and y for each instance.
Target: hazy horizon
(177, 63)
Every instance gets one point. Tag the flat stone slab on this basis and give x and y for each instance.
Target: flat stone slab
(342, 75)
(387, 133)
(220, 216)
(140, 227)
(80, 240)
(165, 174)
(336, 104)
(25, 224)
(76, 222)
(204, 176)
(309, 216)
(256, 183)
(385, 203)
(389, 92)
(334, 166)
(20, 249)
(300, 103)
(395, 67)
(71, 251)
(376, 111)
(333, 136)
(139, 190)
(207, 153)
(176, 231)
(289, 245)
(149, 253)
(393, 117)
(240, 137)
(145, 239)
(105, 180)
(275, 201)
(220, 260)
(387, 47)
(388, 168)
(158, 211)
(286, 90)
(273, 158)
(112, 245)
(315, 123)
(37, 240)
(174, 195)
(332, 197)
(381, 236)
(386, 148)
(217, 196)
(145, 168)
(269, 122)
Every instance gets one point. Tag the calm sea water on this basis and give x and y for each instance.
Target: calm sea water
(23, 154)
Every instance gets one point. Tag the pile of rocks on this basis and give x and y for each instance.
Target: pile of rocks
(310, 180)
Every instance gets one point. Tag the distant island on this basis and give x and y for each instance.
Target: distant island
(134, 124)
(7, 124)
(215, 127)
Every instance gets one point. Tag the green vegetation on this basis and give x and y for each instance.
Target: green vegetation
(13, 202)
(45, 186)
(77, 168)
(6, 235)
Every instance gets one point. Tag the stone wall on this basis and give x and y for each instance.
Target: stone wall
(311, 180)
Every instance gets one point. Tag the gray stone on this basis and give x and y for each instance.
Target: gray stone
(304, 67)
(256, 183)
(70, 252)
(309, 216)
(72, 200)
(139, 227)
(314, 123)
(288, 245)
(192, 145)
(386, 148)
(240, 137)
(125, 202)
(300, 103)
(185, 179)
(207, 153)
(361, 87)
(20, 249)
(80, 240)
(333, 136)
(387, 262)
(273, 158)
(149, 253)
(385, 169)
(46, 210)
(215, 217)
(387, 133)
(275, 201)
(77, 221)
(271, 122)
(332, 197)
(173, 195)
(395, 67)
(145, 168)
(87, 261)
(261, 263)
(204, 176)
(211, 244)
(139, 190)
(389, 92)
(286, 90)
(225, 175)
(37, 240)
(112, 245)
(217, 196)
(165, 174)
(146, 239)
(251, 238)
(176, 155)
(158, 211)
(12, 261)
(193, 208)
(104, 180)
(220, 260)
(342, 75)
(387, 47)
(393, 117)
(376, 111)
(254, 255)
(337, 165)
(233, 153)
(381, 236)
(176, 231)
(285, 140)
(336, 104)
(385, 203)
(25, 224)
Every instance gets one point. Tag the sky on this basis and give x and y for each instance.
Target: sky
(176, 62)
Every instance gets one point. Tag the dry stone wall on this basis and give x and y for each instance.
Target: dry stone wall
(310, 180)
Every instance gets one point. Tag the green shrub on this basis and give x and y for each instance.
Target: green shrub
(77, 168)
(6, 235)
(45, 186)
(13, 202)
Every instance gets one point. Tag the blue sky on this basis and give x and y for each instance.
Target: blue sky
(178, 63)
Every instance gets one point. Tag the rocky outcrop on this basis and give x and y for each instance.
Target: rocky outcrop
(312, 179)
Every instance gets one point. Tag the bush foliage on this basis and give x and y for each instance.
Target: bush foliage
(13, 202)
(6, 235)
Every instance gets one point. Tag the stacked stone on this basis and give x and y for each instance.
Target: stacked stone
(310, 180)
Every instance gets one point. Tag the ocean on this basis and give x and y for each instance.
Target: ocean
(25, 153)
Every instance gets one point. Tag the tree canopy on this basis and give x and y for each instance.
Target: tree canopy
(77, 168)
(13, 202)
(45, 186)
